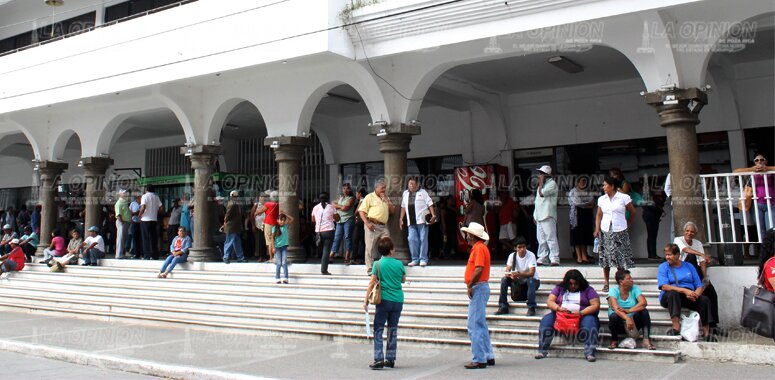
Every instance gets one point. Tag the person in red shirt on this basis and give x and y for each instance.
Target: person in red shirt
(767, 262)
(476, 277)
(271, 211)
(14, 260)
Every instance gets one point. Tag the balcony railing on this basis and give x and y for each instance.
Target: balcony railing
(728, 217)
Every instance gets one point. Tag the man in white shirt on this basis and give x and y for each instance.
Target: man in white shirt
(415, 204)
(520, 271)
(150, 207)
(93, 247)
(545, 218)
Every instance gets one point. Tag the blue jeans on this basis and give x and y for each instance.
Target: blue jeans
(764, 219)
(326, 238)
(281, 261)
(233, 243)
(418, 242)
(532, 287)
(343, 229)
(171, 261)
(590, 326)
(90, 256)
(477, 324)
(390, 312)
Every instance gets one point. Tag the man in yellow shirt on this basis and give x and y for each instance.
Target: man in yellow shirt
(375, 209)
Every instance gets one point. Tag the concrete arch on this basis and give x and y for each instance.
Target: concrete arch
(221, 116)
(363, 83)
(59, 144)
(183, 118)
(739, 17)
(30, 137)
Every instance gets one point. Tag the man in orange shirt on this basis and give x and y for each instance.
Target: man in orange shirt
(477, 277)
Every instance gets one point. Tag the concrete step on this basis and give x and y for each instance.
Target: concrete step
(261, 321)
(416, 300)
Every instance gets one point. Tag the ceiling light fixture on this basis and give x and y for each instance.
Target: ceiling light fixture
(53, 3)
(565, 64)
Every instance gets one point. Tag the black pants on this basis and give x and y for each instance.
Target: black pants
(150, 231)
(618, 326)
(674, 301)
(326, 240)
(709, 291)
(137, 237)
(651, 217)
(260, 245)
(29, 251)
(359, 245)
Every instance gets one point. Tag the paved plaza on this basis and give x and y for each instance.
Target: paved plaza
(109, 347)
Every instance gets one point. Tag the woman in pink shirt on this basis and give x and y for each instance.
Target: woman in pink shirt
(57, 247)
(764, 188)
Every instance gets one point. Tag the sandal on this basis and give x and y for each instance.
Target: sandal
(541, 355)
(613, 345)
(651, 346)
(605, 289)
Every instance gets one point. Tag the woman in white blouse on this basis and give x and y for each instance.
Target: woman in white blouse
(323, 218)
(611, 227)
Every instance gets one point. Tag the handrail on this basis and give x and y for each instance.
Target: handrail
(94, 27)
(722, 203)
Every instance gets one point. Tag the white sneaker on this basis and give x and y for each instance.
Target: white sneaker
(423, 263)
(411, 264)
(4, 275)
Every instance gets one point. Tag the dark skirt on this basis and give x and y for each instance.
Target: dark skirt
(583, 233)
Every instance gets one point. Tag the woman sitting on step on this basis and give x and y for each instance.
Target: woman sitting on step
(178, 252)
(681, 287)
(627, 311)
(575, 299)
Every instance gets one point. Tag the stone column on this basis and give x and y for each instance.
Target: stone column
(94, 194)
(678, 110)
(203, 159)
(288, 152)
(394, 141)
(50, 174)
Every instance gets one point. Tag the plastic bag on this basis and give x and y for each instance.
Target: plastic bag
(690, 327)
(628, 343)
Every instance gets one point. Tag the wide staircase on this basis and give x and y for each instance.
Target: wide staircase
(245, 296)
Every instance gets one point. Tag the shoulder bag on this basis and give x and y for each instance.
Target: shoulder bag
(567, 323)
(375, 297)
(746, 202)
(758, 313)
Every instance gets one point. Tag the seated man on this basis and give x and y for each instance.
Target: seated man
(93, 247)
(8, 235)
(13, 261)
(520, 271)
(29, 242)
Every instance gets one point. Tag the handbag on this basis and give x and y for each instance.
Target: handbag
(518, 286)
(568, 324)
(758, 313)
(745, 203)
(375, 297)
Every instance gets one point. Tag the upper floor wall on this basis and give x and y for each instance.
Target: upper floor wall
(204, 37)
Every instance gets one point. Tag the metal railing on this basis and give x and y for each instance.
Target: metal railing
(726, 217)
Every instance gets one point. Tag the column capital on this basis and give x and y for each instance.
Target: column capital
(390, 129)
(287, 148)
(201, 150)
(678, 105)
(96, 165)
(52, 167)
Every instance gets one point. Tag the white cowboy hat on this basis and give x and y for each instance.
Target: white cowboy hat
(477, 230)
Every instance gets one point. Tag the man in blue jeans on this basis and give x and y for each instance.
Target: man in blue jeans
(476, 277)
(232, 227)
(520, 271)
(415, 204)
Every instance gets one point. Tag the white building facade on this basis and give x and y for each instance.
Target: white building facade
(301, 90)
